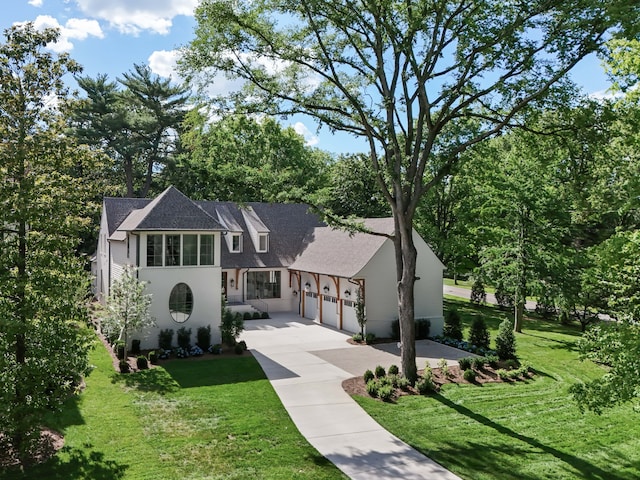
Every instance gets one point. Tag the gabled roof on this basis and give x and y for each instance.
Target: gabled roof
(339, 253)
(169, 211)
(290, 228)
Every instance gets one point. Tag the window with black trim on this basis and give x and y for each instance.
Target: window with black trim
(172, 250)
(263, 284)
(236, 242)
(154, 250)
(181, 302)
(206, 250)
(190, 250)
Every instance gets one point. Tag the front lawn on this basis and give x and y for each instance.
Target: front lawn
(526, 430)
(190, 419)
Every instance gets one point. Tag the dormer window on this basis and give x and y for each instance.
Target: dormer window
(263, 242)
(236, 242)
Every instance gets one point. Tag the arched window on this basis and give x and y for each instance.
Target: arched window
(181, 302)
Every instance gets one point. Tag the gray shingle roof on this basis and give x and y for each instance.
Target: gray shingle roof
(297, 238)
(336, 252)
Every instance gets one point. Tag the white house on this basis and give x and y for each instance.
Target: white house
(267, 257)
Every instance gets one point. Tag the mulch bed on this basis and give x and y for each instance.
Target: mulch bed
(356, 385)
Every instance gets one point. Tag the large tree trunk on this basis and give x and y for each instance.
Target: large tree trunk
(406, 256)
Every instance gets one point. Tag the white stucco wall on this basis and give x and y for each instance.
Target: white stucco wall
(205, 285)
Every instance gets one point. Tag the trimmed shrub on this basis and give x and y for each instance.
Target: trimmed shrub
(372, 388)
(506, 341)
(368, 375)
(153, 357)
(135, 346)
(142, 362)
(119, 349)
(478, 294)
(243, 344)
(238, 349)
(511, 364)
(379, 371)
(385, 393)
(184, 337)
(469, 375)
(427, 373)
(402, 383)
(203, 336)
(247, 316)
(423, 326)
(425, 386)
(452, 325)
(257, 315)
(465, 363)
(165, 339)
(478, 363)
(492, 360)
(393, 370)
(356, 337)
(265, 315)
(215, 349)
(231, 326)
(369, 337)
(124, 366)
(478, 334)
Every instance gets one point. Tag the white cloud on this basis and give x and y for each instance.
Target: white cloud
(605, 95)
(133, 17)
(163, 63)
(310, 139)
(35, 3)
(74, 29)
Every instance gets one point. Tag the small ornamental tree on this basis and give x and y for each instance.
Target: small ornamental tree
(128, 308)
(361, 315)
(478, 334)
(452, 325)
(506, 341)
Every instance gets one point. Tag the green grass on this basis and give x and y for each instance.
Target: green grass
(527, 430)
(206, 419)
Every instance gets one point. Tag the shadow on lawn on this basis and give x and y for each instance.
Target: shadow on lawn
(153, 380)
(479, 457)
(213, 372)
(72, 463)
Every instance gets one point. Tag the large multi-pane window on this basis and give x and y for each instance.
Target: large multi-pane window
(206, 250)
(190, 250)
(154, 250)
(174, 250)
(263, 284)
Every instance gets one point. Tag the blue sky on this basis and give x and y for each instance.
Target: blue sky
(109, 36)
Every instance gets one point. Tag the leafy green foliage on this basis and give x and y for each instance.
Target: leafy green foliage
(368, 375)
(184, 337)
(616, 345)
(204, 337)
(379, 371)
(452, 325)
(393, 370)
(128, 307)
(465, 363)
(478, 333)
(469, 375)
(45, 202)
(478, 294)
(231, 326)
(137, 126)
(506, 341)
(165, 339)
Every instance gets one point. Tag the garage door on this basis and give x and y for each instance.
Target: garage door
(311, 305)
(330, 311)
(349, 318)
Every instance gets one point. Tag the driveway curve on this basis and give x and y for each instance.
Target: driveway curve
(306, 364)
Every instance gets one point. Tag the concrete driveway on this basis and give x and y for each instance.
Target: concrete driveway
(306, 364)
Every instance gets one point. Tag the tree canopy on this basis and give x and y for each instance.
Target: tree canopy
(44, 200)
(421, 81)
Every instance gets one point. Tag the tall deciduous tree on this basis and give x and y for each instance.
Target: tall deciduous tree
(408, 76)
(242, 159)
(43, 346)
(138, 126)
